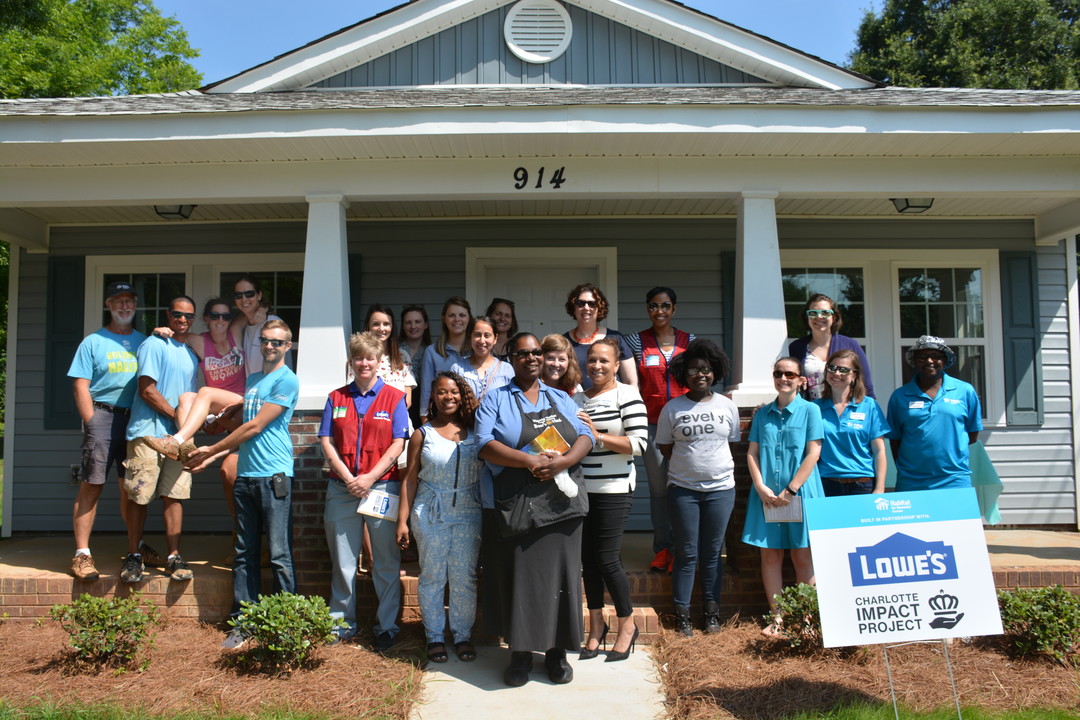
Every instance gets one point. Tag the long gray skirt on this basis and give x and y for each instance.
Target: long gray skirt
(531, 587)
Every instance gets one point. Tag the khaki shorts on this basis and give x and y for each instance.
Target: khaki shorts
(151, 475)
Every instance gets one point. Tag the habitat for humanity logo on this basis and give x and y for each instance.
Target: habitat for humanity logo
(901, 558)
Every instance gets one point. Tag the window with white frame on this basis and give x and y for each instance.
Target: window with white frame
(893, 296)
(159, 278)
(947, 302)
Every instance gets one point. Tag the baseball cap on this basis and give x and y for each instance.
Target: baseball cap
(119, 288)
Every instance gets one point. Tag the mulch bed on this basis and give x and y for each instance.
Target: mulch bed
(740, 674)
(189, 672)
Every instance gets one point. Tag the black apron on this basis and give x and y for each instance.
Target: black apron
(524, 503)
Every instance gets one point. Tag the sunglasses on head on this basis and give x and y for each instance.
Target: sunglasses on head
(789, 374)
(176, 315)
(272, 342)
(219, 316)
(585, 303)
(653, 307)
(839, 370)
(528, 353)
(245, 294)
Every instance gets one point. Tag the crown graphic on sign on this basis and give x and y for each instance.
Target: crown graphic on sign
(943, 602)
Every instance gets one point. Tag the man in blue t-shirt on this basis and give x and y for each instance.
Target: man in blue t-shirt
(263, 491)
(167, 369)
(933, 420)
(103, 379)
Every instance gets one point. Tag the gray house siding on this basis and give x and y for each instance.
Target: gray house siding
(601, 52)
(403, 262)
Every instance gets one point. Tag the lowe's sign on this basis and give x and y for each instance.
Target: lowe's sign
(917, 567)
(901, 558)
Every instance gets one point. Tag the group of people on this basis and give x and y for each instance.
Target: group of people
(519, 461)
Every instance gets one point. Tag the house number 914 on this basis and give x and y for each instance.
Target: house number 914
(521, 175)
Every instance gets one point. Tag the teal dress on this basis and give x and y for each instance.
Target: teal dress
(782, 436)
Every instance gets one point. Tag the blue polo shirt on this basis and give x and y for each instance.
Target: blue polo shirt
(933, 434)
(270, 452)
(846, 451)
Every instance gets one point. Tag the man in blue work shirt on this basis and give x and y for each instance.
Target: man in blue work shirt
(933, 420)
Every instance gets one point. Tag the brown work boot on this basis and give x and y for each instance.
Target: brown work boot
(166, 446)
(83, 568)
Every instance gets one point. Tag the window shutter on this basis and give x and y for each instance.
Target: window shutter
(355, 305)
(1021, 338)
(63, 333)
(727, 299)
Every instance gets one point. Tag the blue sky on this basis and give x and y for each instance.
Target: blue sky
(238, 34)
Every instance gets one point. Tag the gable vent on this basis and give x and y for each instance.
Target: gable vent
(537, 31)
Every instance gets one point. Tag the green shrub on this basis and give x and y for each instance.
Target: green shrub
(800, 619)
(1041, 621)
(108, 632)
(285, 629)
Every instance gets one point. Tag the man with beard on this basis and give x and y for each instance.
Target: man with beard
(167, 369)
(103, 375)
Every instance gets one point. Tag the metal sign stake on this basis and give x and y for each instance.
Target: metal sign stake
(948, 664)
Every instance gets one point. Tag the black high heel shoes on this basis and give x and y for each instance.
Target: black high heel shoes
(587, 654)
(615, 656)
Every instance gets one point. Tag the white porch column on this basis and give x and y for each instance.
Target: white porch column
(760, 326)
(325, 316)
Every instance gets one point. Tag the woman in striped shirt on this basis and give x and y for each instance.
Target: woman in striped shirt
(616, 415)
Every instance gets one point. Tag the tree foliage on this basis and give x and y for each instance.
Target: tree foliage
(1020, 44)
(73, 48)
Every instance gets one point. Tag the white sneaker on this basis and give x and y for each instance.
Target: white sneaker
(234, 640)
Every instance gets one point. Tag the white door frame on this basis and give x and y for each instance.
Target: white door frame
(605, 259)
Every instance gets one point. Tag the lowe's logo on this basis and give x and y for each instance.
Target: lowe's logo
(901, 558)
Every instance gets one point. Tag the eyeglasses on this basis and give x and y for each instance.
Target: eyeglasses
(585, 303)
(272, 342)
(692, 372)
(819, 313)
(219, 316)
(190, 317)
(839, 370)
(653, 307)
(785, 374)
(522, 354)
(245, 294)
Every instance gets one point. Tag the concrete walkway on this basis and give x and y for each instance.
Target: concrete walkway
(627, 690)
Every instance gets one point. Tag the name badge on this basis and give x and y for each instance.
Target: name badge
(916, 405)
(652, 360)
(858, 416)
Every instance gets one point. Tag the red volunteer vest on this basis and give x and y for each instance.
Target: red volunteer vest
(655, 382)
(377, 424)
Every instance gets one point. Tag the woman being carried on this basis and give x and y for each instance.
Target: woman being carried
(441, 495)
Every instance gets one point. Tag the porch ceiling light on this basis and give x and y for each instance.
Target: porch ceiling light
(912, 206)
(178, 212)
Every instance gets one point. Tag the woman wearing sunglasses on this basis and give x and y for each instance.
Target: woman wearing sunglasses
(588, 306)
(695, 432)
(822, 320)
(254, 312)
(853, 459)
(785, 443)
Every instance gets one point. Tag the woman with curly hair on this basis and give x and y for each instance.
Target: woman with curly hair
(588, 306)
(694, 432)
(560, 366)
(445, 512)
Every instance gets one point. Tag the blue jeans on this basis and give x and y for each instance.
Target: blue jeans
(698, 523)
(833, 488)
(257, 510)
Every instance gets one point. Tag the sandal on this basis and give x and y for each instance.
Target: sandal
(465, 651)
(436, 652)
